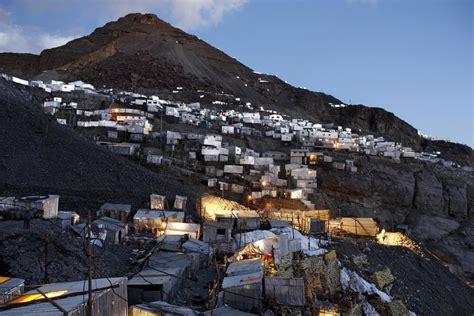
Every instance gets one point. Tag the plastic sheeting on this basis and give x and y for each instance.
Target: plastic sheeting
(309, 245)
(351, 280)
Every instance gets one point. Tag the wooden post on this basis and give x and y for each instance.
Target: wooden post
(46, 241)
(89, 266)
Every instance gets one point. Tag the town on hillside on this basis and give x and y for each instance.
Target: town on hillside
(254, 242)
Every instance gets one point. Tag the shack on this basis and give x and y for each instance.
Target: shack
(190, 229)
(67, 218)
(285, 291)
(109, 297)
(244, 291)
(180, 202)
(360, 226)
(154, 221)
(116, 211)
(10, 288)
(210, 205)
(157, 202)
(245, 267)
(213, 232)
(246, 219)
(48, 205)
(115, 229)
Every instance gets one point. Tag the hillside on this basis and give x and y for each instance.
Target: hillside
(145, 54)
(39, 156)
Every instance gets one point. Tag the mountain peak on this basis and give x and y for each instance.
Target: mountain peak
(140, 18)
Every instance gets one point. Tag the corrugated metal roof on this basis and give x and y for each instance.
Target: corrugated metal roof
(156, 214)
(241, 280)
(245, 267)
(69, 303)
(7, 283)
(116, 207)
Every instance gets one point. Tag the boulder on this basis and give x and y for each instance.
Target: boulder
(434, 228)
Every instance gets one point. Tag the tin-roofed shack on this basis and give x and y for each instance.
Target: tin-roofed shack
(215, 232)
(210, 206)
(154, 221)
(10, 288)
(109, 298)
(48, 205)
(116, 211)
(360, 226)
(244, 291)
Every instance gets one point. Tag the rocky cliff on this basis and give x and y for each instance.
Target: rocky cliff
(437, 202)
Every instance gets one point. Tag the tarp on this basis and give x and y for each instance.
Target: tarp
(351, 280)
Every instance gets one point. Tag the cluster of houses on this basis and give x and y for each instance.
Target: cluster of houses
(272, 260)
(133, 114)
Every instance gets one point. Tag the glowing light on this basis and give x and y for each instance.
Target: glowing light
(4, 279)
(37, 296)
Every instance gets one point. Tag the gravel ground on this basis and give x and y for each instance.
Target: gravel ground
(23, 254)
(421, 282)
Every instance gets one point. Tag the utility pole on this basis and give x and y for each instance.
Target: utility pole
(89, 266)
(46, 241)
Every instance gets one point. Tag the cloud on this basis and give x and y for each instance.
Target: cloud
(192, 14)
(15, 38)
(186, 14)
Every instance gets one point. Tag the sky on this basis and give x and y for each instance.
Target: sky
(411, 57)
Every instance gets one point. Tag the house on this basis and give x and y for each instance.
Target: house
(125, 149)
(158, 308)
(190, 229)
(154, 221)
(286, 137)
(157, 202)
(115, 229)
(244, 290)
(154, 159)
(67, 218)
(233, 169)
(246, 219)
(10, 288)
(294, 194)
(161, 279)
(214, 232)
(48, 205)
(211, 207)
(116, 211)
(245, 267)
(227, 129)
(109, 297)
(361, 226)
(339, 165)
(276, 155)
(285, 291)
(251, 118)
(180, 202)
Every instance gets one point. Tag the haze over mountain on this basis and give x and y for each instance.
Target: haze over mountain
(142, 53)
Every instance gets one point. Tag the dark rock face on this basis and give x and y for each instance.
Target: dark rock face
(145, 54)
(428, 193)
(434, 200)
